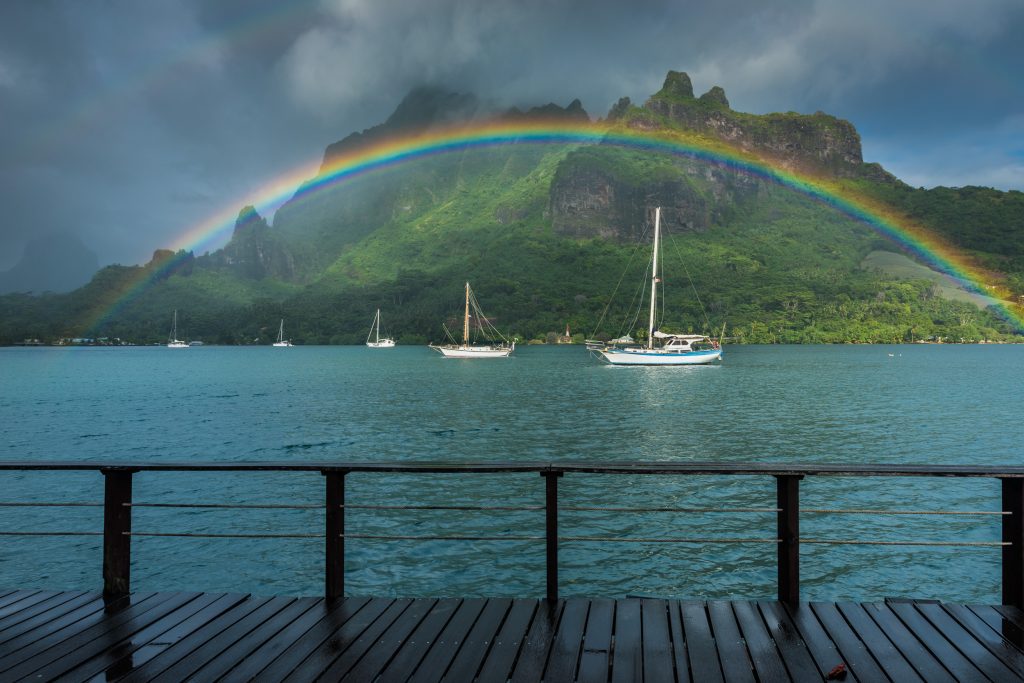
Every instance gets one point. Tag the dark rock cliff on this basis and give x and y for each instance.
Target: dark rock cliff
(807, 142)
(254, 251)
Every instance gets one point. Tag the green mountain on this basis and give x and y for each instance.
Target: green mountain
(548, 233)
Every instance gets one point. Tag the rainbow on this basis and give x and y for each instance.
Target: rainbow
(395, 151)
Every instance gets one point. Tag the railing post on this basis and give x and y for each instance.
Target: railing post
(1013, 533)
(788, 504)
(551, 527)
(117, 528)
(334, 571)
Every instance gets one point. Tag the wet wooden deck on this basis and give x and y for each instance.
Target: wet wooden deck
(77, 636)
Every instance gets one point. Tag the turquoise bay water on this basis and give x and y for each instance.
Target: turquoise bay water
(844, 404)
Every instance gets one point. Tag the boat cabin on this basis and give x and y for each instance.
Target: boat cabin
(684, 342)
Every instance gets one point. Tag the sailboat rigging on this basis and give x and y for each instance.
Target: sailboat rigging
(674, 349)
(468, 350)
(172, 340)
(378, 342)
(281, 341)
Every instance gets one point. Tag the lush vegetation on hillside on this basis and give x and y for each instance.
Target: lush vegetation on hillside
(771, 265)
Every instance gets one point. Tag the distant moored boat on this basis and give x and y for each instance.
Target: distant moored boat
(172, 341)
(466, 350)
(675, 349)
(378, 343)
(281, 341)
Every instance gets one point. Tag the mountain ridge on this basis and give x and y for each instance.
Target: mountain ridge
(545, 230)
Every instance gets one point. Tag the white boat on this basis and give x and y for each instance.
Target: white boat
(672, 349)
(172, 341)
(378, 343)
(468, 350)
(281, 341)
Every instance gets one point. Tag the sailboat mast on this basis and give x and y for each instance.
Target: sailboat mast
(377, 327)
(465, 320)
(654, 277)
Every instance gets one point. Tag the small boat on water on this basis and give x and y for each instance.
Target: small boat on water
(281, 341)
(172, 341)
(661, 348)
(378, 343)
(466, 349)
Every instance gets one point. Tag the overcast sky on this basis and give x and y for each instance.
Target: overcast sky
(128, 122)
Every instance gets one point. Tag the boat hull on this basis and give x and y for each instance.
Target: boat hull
(282, 343)
(382, 344)
(177, 345)
(474, 351)
(656, 357)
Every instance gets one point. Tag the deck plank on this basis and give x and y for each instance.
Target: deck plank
(119, 658)
(36, 642)
(336, 642)
(1011, 632)
(821, 646)
(1014, 614)
(732, 650)
(568, 640)
(340, 667)
(74, 636)
(270, 650)
(854, 653)
(966, 642)
(497, 667)
(391, 640)
(533, 653)
(700, 643)
(337, 614)
(106, 635)
(246, 646)
(924, 663)
(416, 646)
(1007, 653)
(449, 641)
(882, 649)
(680, 650)
(267, 609)
(15, 601)
(657, 642)
(764, 654)
(792, 648)
(628, 654)
(184, 647)
(479, 641)
(950, 657)
(597, 642)
(46, 612)
(765, 657)
(45, 650)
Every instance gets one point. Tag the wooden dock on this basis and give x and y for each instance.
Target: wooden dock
(119, 634)
(79, 636)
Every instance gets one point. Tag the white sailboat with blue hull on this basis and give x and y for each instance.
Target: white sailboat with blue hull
(671, 349)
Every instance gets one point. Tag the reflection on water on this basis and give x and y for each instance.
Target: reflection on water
(857, 404)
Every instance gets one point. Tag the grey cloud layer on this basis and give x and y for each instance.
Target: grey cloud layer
(129, 122)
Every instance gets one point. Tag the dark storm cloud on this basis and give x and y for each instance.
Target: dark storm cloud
(127, 123)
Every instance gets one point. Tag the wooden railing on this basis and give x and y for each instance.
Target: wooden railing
(117, 504)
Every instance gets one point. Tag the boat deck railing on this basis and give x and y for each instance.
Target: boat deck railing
(118, 503)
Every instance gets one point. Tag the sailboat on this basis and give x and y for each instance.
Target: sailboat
(172, 341)
(378, 343)
(281, 341)
(467, 350)
(674, 349)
